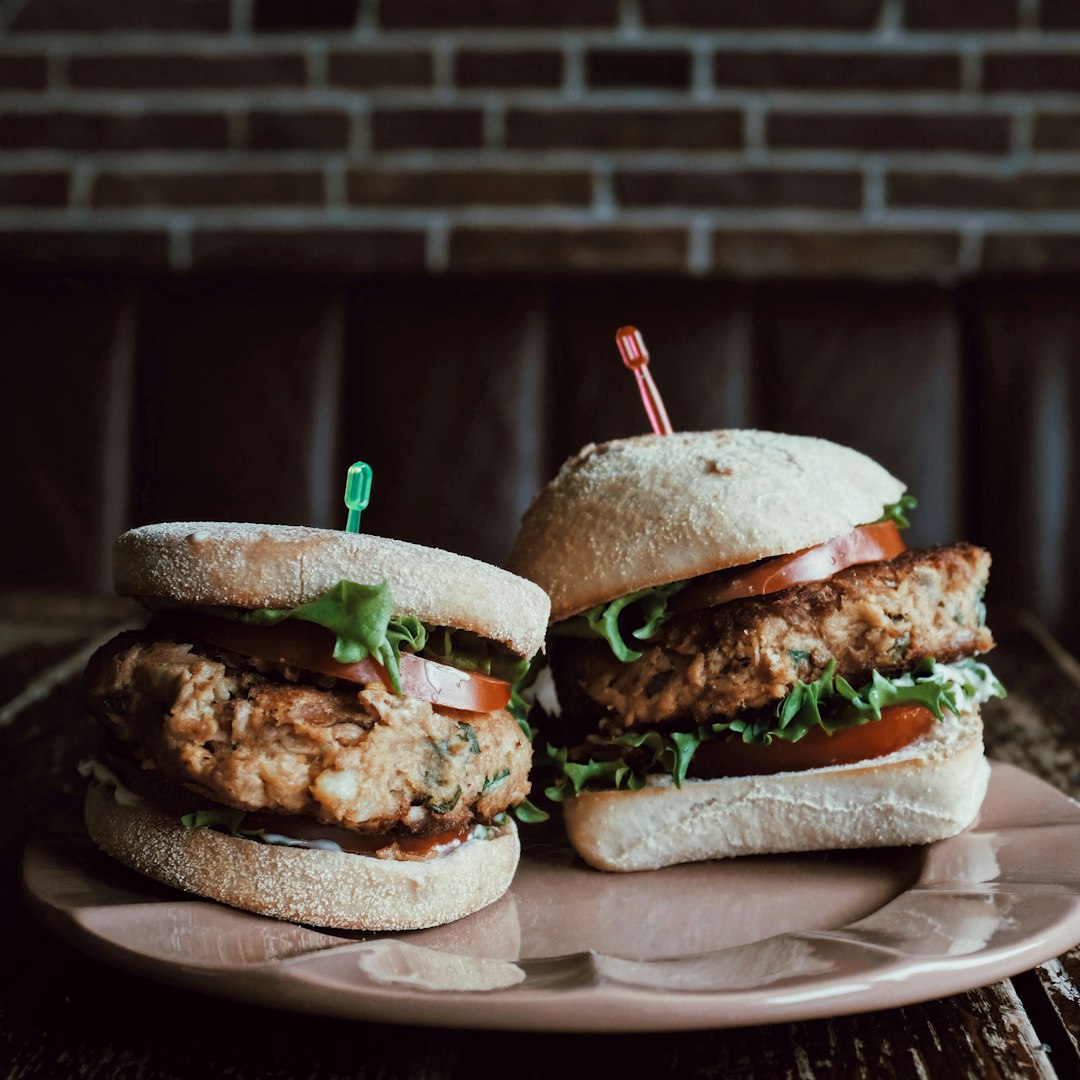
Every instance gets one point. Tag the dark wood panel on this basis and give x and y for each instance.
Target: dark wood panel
(68, 350)
(1028, 399)
(230, 399)
(238, 404)
(879, 370)
(443, 401)
(700, 339)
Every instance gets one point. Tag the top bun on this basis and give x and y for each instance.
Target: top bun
(216, 564)
(634, 513)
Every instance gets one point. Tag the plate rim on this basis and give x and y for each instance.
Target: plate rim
(620, 1007)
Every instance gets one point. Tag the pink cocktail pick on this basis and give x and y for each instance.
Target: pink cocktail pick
(636, 358)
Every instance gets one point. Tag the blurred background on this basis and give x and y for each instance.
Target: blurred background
(246, 242)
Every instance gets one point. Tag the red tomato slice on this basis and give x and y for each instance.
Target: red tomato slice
(898, 726)
(866, 544)
(308, 646)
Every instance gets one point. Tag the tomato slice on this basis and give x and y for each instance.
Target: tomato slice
(311, 647)
(867, 543)
(898, 726)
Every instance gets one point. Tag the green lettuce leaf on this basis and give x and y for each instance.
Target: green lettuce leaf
(360, 616)
(361, 619)
(220, 818)
(638, 615)
(897, 511)
(470, 652)
(519, 706)
(528, 814)
(829, 702)
(519, 709)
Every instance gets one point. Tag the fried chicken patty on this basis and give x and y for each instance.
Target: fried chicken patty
(343, 754)
(747, 654)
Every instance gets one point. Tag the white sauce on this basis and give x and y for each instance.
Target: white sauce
(975, 682)
(102, 774)
(292, 841)
(543, 693)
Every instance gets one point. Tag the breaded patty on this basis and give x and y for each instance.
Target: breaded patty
(355, 756)
(746, 654)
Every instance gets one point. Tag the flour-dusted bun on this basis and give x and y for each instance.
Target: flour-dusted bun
(213, 563)
(931, 789)
(633, 513)
(320, 888)
(259, 716)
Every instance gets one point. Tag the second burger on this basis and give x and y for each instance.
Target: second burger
(746, 657)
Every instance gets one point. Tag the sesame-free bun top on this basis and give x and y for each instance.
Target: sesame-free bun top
(229, 564)
(644, 511)
(305, 885)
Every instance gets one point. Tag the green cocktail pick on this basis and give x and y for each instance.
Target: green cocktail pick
(357, 493)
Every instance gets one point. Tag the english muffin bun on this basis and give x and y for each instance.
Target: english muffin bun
(632, 513)
(321, 888)
(930, 789)
(231, 564)
(745, 657)
(314, 724)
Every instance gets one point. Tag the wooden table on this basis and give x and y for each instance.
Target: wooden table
(63, 1015)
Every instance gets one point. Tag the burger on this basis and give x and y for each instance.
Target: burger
(745, 657)
(313, 724)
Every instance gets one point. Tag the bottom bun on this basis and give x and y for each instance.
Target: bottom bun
(930, 789)
(305, 885)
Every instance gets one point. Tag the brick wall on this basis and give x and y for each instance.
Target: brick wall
(882, 138)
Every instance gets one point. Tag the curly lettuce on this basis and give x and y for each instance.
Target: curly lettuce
(220, 819)
(637, 615)
(829, 702)
(897, 512)
(468, 651)
(361, 617)
(528, 814)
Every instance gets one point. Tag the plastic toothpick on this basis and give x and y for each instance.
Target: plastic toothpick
(636, 358)
(357, 493)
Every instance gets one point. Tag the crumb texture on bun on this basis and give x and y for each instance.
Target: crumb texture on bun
(644, 511)
(927, 791)
(319, 888)
(279, 566)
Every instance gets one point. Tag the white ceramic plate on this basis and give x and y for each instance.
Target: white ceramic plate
(720, 944)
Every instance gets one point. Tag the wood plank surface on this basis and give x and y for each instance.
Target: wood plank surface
(63, 1014)
(1035, 727)
(1059, 980)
